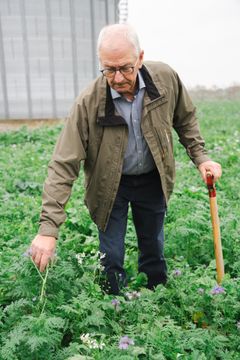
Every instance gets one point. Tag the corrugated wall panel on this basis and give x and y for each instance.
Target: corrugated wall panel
(47, 53)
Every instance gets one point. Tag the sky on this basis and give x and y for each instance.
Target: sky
(200, 39)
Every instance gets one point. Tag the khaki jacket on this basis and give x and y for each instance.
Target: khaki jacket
(97, 136)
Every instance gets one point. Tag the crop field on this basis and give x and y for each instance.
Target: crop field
(62, 314)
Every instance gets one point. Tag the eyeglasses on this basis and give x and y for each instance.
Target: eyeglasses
(124, 70)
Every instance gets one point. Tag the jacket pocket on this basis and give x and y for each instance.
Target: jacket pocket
(160, 144)
(164, 140)
(157, 103)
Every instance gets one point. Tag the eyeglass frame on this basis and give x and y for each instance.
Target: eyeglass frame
(114, 69)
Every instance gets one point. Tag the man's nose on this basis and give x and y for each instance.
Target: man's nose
(118, 77)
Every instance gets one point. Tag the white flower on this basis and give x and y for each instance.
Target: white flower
(101, 255)
(80, 258)
(91, 342)
(133, 295)
(85, 338)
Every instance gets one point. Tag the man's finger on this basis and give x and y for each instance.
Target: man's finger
(44, 261)
(216, 173)
(37, 258)
(212, 167)
(33, 251)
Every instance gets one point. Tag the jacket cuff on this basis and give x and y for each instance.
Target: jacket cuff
(200, 159)
(47, 230)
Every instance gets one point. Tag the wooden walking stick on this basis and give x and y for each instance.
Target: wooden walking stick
(216, 227)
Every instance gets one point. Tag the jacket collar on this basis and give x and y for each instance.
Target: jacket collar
(151, 88)
(110, 118)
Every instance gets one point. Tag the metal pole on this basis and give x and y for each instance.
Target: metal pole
(93, 41)
(26, 57)
(106, 12)
(51, 57)
(123, 11)
(3, 73)
(74, 47)
(116, 11)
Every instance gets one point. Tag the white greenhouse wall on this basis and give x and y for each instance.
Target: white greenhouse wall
(48, 53)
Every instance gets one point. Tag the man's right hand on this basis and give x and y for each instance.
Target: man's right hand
(43, 250)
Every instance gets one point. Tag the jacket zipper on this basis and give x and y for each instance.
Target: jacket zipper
(167, 136)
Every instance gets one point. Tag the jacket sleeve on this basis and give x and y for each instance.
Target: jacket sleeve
(63, 169)
(186, 125)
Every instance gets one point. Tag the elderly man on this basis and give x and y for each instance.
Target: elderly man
(120, 127)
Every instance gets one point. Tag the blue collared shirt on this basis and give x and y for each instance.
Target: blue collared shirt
(138, 158)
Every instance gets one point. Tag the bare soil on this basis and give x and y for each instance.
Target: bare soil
(16, 124)
(197, 94)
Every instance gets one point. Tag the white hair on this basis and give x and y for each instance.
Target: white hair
(125, 31)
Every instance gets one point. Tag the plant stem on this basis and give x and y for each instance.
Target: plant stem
(44, 285)
(37, 270)
(43, 307)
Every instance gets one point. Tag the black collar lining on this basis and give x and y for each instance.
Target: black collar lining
(110, 119)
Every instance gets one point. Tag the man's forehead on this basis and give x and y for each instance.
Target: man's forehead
(117, 58)
(117, 63)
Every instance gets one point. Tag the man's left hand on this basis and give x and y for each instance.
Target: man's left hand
(210, 166)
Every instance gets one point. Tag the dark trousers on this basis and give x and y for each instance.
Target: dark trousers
(144, 193)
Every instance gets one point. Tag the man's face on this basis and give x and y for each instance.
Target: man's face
(121, 55)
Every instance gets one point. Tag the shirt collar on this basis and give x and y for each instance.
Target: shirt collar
(141, 85)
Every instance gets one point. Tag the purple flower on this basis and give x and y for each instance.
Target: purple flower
(115, 303)
(217, 290)
(124, 342)
(177, 272)
(28, 252)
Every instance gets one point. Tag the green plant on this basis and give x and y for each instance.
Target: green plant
(63, 313)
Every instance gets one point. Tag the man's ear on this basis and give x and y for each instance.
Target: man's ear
(141, 57)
